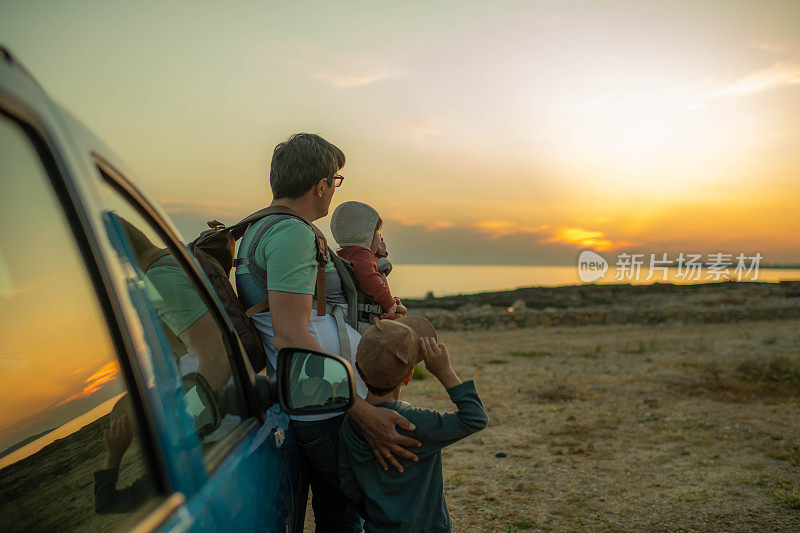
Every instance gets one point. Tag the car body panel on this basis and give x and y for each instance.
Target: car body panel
(262, 458)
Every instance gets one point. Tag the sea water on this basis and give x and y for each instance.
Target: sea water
(415, 281)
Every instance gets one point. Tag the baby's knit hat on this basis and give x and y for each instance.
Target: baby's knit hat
(353, 224)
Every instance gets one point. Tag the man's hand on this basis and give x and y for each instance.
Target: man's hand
(380, 429)
(117, 439)
(437, 361)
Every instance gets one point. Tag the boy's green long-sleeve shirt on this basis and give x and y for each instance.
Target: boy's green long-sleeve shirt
(414, 500)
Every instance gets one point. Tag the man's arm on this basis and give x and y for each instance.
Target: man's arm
(204, 338)
(107, 499)
(117, 438)
(290, 282)
(290, 312)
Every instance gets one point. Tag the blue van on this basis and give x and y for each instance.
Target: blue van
(126, 399)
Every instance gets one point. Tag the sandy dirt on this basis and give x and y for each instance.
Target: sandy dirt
(622, 427)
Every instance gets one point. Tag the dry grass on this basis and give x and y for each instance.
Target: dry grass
(789, 499)
(752, 379)
(627, 428)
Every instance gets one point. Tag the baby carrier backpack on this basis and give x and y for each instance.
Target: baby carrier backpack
(214, 250)
(361, 308)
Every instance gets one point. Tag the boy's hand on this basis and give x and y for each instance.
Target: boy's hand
(437, 361)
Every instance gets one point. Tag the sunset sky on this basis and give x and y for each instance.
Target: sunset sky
(56, 356)
(487, 133)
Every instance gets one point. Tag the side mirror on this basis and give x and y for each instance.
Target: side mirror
(200, 403)
(312, 382)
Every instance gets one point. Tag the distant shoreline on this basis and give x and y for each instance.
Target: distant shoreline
(572, 265)
(410, 281)
(590, 294)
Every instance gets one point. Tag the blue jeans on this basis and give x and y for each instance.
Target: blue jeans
(319, 446)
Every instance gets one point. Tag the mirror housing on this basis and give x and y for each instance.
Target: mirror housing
(313, 382)
(201, 403)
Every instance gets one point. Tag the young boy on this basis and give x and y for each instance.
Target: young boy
(414, 500)
(356, 227)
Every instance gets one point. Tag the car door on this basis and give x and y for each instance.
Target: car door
(246, 459)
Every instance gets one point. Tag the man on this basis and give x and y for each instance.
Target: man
(303, 177)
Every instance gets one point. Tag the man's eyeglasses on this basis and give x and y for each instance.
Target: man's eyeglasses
(337, 180)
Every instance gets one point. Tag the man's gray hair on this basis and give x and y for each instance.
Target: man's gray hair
(300, 162)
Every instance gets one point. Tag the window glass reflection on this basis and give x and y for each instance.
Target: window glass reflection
(196, 343)
(70, 455)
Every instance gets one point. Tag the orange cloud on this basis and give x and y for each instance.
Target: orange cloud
(439, 224)
(427, 224)
(583, 238)
(203, 208)
(93, 383)
(7, 288)
(499, 228)
(419, 128)
(356, 77)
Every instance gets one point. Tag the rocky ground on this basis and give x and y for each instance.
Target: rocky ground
(579, 305)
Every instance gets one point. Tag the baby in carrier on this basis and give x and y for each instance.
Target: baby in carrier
(357, 229)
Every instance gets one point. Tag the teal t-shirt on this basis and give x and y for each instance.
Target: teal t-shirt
(173, 295)
(287, 251)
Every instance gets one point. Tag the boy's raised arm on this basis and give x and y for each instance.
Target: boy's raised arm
(435, 429)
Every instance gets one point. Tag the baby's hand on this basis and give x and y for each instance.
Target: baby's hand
(391, 312)
(381, 251)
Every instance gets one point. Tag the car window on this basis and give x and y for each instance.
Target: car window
(196, 343)
(70, 451)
